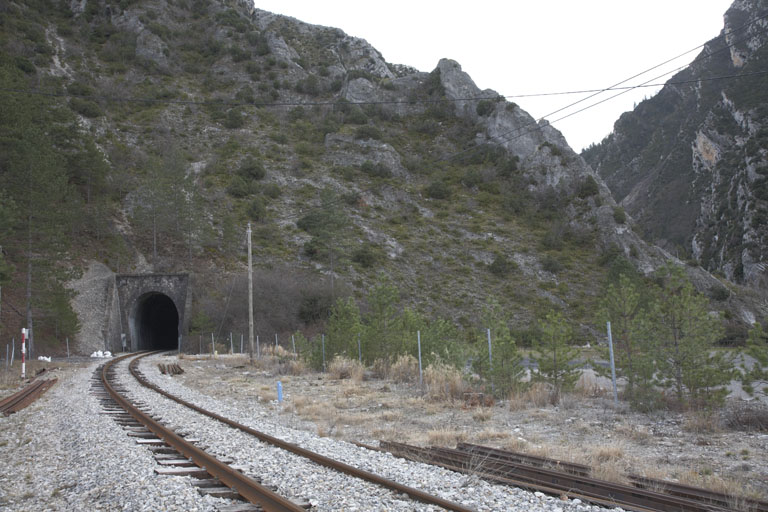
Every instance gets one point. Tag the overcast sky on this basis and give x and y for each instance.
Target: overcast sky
(527, 46)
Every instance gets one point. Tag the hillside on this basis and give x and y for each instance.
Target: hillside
(690, 164)
(143, 136)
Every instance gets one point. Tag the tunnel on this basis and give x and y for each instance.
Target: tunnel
(155, 323)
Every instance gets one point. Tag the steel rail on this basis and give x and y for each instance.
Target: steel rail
(248, 488)
(666, 487)
(523, 458)
(588, 489)
(25, 397)
(414, 493)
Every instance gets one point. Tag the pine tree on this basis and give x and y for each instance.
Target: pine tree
(754, 366)
(624, 307)
(554, 356)
(343, 328)
(505, 370)
(685, 334)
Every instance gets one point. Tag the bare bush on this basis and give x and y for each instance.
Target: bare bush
(444, 382)
(345, 368)
(405, 369)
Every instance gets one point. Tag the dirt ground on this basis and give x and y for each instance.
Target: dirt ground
(585, 427)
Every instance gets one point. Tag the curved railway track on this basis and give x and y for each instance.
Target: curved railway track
(248, 488)
(245, 486)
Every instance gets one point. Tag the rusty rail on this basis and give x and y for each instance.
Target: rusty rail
(549, 481)
(414, 493)
(663, 486)
(248, 488)
(26, 396)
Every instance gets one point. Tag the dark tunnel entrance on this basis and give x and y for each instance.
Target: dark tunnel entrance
(156, 323)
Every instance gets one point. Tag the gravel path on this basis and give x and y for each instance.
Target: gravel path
(61, 454)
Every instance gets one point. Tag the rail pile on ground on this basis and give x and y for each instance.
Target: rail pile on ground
(565, 479)
(26, 396)
(170, 369)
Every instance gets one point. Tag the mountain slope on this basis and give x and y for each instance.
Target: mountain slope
(691, 165)
(180, 121)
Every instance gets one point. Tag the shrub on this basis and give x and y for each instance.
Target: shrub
(484, 107)
(438, 190)
(366, 256)
(588, 188)
(234, 120)
(501, 266)
(238, 187)
(619, 215)
(251, 169)
(272, 190)
(551, 264)
(86, 108)
(368, 132)
(257, 210)
(378, 170)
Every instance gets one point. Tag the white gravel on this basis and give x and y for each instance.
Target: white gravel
(61, 454)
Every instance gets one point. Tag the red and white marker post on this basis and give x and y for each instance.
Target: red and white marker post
(24, 353)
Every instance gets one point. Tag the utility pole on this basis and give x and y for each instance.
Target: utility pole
(250, 295)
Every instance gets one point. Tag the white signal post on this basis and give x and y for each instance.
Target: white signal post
(24, 353)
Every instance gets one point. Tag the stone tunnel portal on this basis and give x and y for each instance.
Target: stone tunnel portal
(155, 322)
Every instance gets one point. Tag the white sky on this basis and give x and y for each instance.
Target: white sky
(531, 46)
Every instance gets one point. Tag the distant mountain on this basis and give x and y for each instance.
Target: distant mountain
(690, 164)
(141, 136)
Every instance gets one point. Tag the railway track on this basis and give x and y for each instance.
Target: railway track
(26, 396)
(573, 480)
(233, 478)
(250, 490)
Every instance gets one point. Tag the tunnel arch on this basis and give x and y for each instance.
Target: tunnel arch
(154, 323)
(150, 312)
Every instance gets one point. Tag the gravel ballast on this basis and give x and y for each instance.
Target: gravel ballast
(61, 454)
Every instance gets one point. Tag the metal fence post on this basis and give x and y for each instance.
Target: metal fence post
(613, 366)
(418, 342)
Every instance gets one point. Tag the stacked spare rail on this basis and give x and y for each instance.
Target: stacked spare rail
(561, 478)
(26, 396)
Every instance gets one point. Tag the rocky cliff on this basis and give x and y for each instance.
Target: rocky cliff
(690, 165)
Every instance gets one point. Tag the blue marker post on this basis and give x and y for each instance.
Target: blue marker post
(279, 392)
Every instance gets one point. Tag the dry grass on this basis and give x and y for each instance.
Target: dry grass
(405, 369)
(537, 395)
(444, 382)
(607, 462)
(639, 435)
(345, 368)
(515, 444)
(734, 488)
(446, 437)
(482, 414)
(588, 386)
(492, 434)
(702, 422)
